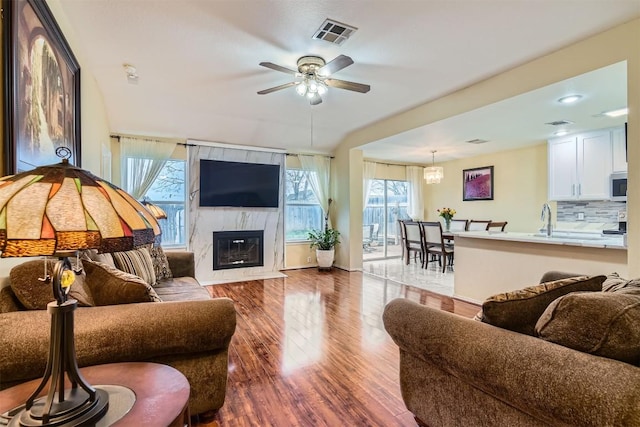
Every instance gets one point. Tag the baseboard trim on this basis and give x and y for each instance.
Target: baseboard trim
(466, 299)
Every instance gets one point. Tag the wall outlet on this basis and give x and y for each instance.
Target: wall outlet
(580, 216)
(622, 215)
(308, 259)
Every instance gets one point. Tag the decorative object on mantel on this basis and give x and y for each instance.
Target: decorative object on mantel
(433, 174)
(447, 214)
(57, 210)
(325, 242)
(477, 184)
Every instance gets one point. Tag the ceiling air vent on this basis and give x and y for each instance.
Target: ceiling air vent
(334, 32)
(477, 141)
(560, 123)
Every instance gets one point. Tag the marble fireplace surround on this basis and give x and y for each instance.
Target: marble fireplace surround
(203, 221)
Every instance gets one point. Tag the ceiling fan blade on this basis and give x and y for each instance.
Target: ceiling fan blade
(338, 63)
(273, 89)
(343, 84)
(315, 99)
(278, 67)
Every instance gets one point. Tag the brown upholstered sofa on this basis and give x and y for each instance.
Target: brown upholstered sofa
(456, 371)
(188, 330)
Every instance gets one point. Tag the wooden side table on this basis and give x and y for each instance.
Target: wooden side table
(162, 392)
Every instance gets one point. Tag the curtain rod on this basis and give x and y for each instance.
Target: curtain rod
(304, 154)
(119, 137)
(391, 164)
(186, 144)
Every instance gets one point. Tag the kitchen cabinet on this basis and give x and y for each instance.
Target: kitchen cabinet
(580, 166)
(619, 145)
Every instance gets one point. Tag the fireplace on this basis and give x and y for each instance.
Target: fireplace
(238, 249)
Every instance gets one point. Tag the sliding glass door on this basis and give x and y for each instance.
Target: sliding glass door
(386, 204)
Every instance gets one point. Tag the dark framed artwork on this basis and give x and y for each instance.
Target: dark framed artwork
(42, 88)
(477, 184)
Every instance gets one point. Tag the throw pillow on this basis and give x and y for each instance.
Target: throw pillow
(93, 255)
(600, 323)
(519, 310)
(110, 285)
(615, 283)
(160, 263)
(137, 262)
(35, 294)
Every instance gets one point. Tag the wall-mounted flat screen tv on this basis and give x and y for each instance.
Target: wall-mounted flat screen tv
(236, 184)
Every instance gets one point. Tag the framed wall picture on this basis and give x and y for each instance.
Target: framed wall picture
(42, 88)
(477, 184)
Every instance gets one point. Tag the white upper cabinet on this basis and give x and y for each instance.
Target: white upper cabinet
(619, 141)
(562, 168)
(580, 166)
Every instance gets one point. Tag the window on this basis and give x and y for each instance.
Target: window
(303, 213)
(168, 192)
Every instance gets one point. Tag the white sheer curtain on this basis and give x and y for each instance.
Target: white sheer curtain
(415, 176)
(319, 180)
(368, 175)
(144, 159)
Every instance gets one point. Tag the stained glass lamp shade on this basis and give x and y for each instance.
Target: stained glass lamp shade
(57, 210)
(155, 210)
(60, 209)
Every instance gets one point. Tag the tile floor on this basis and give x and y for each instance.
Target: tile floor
(431, 279)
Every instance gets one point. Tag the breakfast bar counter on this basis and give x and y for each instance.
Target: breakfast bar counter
(487, 263)
(594, 240)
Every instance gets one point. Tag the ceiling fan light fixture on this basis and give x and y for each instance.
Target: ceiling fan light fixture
(313, 86)
(301, 89)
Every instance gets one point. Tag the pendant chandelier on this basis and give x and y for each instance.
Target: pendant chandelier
(433, 174)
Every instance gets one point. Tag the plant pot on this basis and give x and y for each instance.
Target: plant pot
(325, 258)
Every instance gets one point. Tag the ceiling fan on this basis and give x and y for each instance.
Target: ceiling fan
(314, 74)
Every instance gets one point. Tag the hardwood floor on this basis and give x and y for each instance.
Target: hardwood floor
(311, 350)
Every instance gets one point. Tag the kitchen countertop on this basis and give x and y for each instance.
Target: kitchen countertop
(592, 240)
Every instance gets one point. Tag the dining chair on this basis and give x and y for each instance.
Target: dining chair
(413, 241)
(459, 225)
(403, 237)
(435, 245)
(367, 237)
(496, 225)
(478, 225)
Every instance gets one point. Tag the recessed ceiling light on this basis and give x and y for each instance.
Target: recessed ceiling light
(616, 113)
(561, 132)
(569, 99)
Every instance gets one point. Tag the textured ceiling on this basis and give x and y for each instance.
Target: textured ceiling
(199, 73)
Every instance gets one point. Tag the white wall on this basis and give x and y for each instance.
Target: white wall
(203, 221)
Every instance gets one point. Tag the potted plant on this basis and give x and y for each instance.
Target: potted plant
(325, 242)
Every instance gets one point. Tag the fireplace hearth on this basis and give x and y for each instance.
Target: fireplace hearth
(238, 249)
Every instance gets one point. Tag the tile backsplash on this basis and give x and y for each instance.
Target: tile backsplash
(594, 211)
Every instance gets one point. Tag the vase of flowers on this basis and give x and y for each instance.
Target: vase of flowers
(447, 214)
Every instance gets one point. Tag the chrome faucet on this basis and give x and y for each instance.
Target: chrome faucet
(546, 210)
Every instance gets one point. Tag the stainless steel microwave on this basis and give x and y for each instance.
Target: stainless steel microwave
(618, 187)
